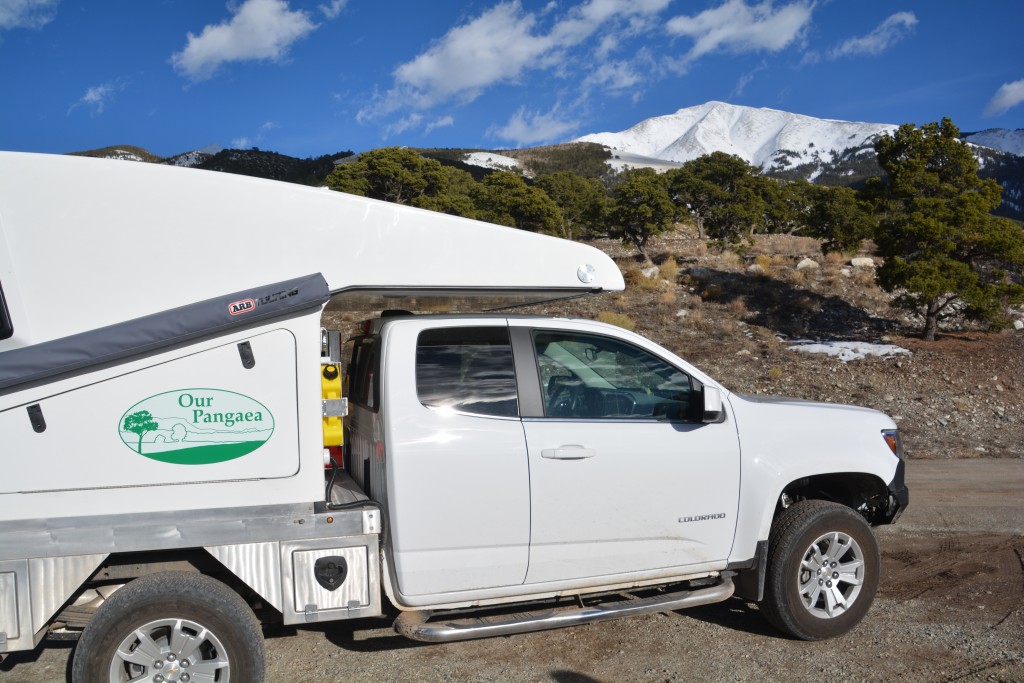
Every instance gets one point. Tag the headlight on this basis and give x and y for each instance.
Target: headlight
(892, 439)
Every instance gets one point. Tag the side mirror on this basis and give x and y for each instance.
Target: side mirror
(713, 411)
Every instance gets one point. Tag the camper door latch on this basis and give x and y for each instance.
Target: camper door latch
(335, 407)
(35, 414)
(248, 359)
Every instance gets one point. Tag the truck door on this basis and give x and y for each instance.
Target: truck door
(457, 471)
(624, 477)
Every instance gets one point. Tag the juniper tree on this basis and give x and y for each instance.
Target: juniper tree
(723, 193)
(641, 208)
(503, 197)
(582, 202)
(944, 252)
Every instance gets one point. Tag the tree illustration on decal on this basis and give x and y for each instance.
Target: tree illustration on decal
(140, 423)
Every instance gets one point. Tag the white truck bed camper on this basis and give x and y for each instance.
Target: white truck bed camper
(160, 369)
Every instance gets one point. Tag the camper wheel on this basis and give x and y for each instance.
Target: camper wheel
(173, 626)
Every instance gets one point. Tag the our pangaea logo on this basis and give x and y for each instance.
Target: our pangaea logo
(196, 426)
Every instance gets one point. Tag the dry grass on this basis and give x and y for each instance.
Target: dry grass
(668, 296)
(730, 260)
(633, 276)
(801, 278)
(618, 319)
(775, 373)
(797, 247)
(669, 269)
(692, 248)
(727, 329)
(712, 293)
(865, 277)
(696, 320)
(738, 308)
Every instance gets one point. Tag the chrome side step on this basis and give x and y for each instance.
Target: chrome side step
(415, 625)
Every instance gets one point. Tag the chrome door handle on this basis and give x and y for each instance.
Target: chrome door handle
(568, 453)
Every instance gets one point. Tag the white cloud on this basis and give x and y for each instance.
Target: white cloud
(259, 30)
(244, 141)
(498, 46)
(333, 9)
(530, 128)
(888, 33)
(1009, 95)
(614, 77)
(746, 79)
(737, 27)
(97, 97)
(27, 13)
(443, 122)
(398, 127)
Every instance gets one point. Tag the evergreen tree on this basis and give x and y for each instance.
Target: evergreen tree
(394, 174)
(836, 216)
(641, 207)
(723, 193)
(945, 253)
(582, 202)
(504, 198)
(453, 196)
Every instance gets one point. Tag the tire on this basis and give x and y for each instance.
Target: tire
(823, 570)
(174, 625)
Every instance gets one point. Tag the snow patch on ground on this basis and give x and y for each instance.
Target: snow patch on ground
(124, 155)
(848, 350)
(620, 161)
(190, 159)
(491, 160)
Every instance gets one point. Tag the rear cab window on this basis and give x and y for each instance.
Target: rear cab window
(361, 360)
(467, 370)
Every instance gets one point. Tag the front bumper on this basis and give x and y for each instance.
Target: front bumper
(899, 495)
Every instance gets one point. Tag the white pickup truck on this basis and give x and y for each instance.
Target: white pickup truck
(168, 402)
(531, 458)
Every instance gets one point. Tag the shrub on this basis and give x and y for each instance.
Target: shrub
(618, 319)
(669, 269)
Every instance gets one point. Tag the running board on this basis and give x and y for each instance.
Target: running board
(415, 625)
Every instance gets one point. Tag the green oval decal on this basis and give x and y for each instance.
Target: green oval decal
(196, 426)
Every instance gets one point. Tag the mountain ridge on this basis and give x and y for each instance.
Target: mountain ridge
(783, 144)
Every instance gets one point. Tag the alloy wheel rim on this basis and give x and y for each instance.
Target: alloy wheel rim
(170, 651)
(831, 575)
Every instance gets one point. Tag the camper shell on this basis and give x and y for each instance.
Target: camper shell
(131, 288)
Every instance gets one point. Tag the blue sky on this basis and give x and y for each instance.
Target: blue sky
(311, 77)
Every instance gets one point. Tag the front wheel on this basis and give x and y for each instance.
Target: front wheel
(173, 626)
(823, 569)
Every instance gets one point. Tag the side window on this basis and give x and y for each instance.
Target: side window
(590, 376)
(6, 327)
(467, 369)
(362, 372)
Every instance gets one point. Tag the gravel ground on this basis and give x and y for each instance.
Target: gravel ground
(950, 608)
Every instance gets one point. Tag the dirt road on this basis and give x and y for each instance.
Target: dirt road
(950, 608)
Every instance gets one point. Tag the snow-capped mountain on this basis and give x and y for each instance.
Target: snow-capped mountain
(1009, 141)
(789, 145)
(768, 138)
